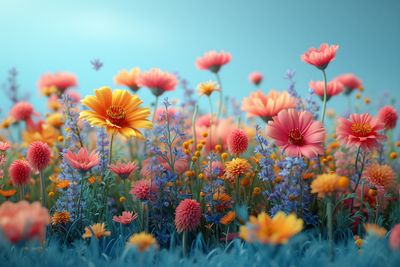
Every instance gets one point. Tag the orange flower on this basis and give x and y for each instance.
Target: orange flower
(64, 184)
(128, 78)
(228, 218)
(117, 111)
(374, 229)
(327, 184)
(8, 193)
(98, 229)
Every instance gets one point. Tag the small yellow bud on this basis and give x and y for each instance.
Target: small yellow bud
(224, 156)
(122, 199)
(51, 194)
(393, 155)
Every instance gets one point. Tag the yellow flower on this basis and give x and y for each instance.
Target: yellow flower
(235, 168)
(326, 184)
(267, 230)
(60, 217)
(228, 218)
(142, 241)
(207, 88)
(99, 230)
(56, 120)
(374, 229)
(117, 111)
(46, 133)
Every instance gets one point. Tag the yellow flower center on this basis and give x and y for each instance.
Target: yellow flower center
(361, 129)
(116, 114)
(295, 137)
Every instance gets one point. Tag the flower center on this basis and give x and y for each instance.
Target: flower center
(361, 129)
(295, 137)
(116, 114)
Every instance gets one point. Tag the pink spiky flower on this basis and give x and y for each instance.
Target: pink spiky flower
(19, 172)
(22, 111)
(332, 88)
(82, 161)
(126, 218)
(157, 81)
(320, 57)
(238, 142)
(123, 170)
(187, 215)
(256, 77)
(297, 133)
(143, 190)
(388, 115)
(213, 61)
(38, 155)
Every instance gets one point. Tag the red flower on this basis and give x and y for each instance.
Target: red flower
(82, 161)
(388, 115)
(20, 172)
(256, 77)
(38, 155)
(320, 57)
(237, 142)
(187, 215)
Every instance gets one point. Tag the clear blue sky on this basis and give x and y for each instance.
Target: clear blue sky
(269, 36)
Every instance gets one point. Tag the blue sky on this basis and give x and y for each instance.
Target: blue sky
(269, 36)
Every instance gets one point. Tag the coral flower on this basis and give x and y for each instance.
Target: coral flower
(220, 132)
(328, 183)
(99, 230)
(332, 88)
(82, 161)
(158, 81)
(187, 215)
(126, 218)
(388, 115)
(8, 193)
(60, 217)
(373, 229)
(4, 146)
(394, 238)
(123, 170)
(237, 142)
(235, 168)
(60, 80)
(350, 82)
(207, 88)
(117, 111)
(297, 133)
(320, 57)
(128, 79)
(23, 221)
(38, 155)
(380, 176)
(228, 218)
(19, 172)
(267, 106)
(360, 130)
(143, 190)
(22, 111)
(142, 241)
(213, 61)
(256, 78)
(267, 230)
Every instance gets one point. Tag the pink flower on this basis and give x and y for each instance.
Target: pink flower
(20, 171)
(349, 81)
(388, 115)
(297, 133)
(204, 121)
(237, 142)
(161, 115)
(213, 61)
(158, 81)
(22, 111)
(267, 106)
(187, 215)
(126, 218)
(74, 96)
(256, 77)
(38, 155)
(59, 80)
(360, 130)
(220, 132)
(320, 57)
(23, 221)
(332, 88)
(4, 146)
(82, 161)
(143, 190)
(123, 170)
(217, 168)
(394, 238)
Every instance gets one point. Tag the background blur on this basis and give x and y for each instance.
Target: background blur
(269, 36)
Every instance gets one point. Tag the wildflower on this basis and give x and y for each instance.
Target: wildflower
(393, 155)
(228, 218)
(126, 218)
(60, 217)
(63, 184)
(157, 81)
(297, 133)
(358, 241)
(92, 180)
(267, 106)
(236, 168)
(327, 184)
(394, 238)
(99, 230)
(38, 155)
(143, 189)
(4, 146)
(8, 193)
(349, 81)
(82, 161)
(373, 229)
(388, 115)
(256, 78)
(122, 199)
(213, 61)
(380, 176)
(332, 88)
(360, 130)
(142, 241)
(367, 100)
(267, 230)
(19, 172)
(320, 57)
(237, 142)
(51, 194)
(187, 215)
(256, 191)
(23, 221)
(224, 155)
(22, 111)
(55, 120)
(123, 170)
(60, 81)
(207, 88)
(128, 78)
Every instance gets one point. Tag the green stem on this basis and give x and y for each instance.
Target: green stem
(329, 224)
(21, 192)
(145, 217)
(111, 147)
(221, 98)
(325, 96)
(42, 189)
(184, 243)
(155, 109)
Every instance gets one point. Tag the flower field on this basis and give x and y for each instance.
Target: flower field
(274, 179)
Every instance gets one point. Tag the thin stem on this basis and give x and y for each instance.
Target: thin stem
(111, 147)
(329, 224)
(155, 109)
(42, 189)
(324, 101)
(21, 192)
(184, 243)
(145, 217)
(221, 98)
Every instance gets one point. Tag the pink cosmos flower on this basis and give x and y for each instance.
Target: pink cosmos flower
(267, 106)
(123, 170)
(22, 111)
(394, 238)
(157, 81)
(256, 78)
(388, 115)
(320, 57)
(332, 88)
(60, 80)
(297, 133)
(360, 130)
(126, 218)
(23, 221)
(213, 61)
(82, 161)
(4, 146)
(187, 215)
(350, 82)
